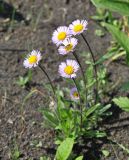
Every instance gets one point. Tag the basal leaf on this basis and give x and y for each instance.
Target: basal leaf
(65, 148)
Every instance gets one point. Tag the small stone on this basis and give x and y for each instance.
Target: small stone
(10, 121)
(7, 37)
(28, 18)
(6, 20)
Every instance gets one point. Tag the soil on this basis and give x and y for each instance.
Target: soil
(31, 28)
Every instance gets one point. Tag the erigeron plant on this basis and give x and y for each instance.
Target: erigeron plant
(77, 116)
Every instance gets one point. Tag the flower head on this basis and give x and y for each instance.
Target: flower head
(78, 26)
(74, 93)
(32, 59)
(69, 45)
(68, 69)
(60, 34)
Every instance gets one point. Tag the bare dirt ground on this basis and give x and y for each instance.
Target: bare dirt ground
(32, 28)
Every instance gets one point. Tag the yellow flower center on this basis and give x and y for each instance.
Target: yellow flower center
(69, 47)
(61, 36)
(78, 28)
(69, 70)
(75, 94)
(32, 59)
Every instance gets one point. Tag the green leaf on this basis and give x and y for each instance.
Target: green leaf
(28, 96)
(99, 32)
(97, 134)
(113, 5)
(121, 37)
(79, 158)
(104, 109)
(122, 102)
(105, 153)
(107, 56)
(90, 73)
(91, 110)
(123, 147)
(125, 86)
(44, 158)
(65, 148)
(16, 154)
(50, 117)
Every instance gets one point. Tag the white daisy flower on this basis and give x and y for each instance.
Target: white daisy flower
(78, 26)
(69, 45)
(74, 94)
(32, 59)
(68, 69)
(60, 34)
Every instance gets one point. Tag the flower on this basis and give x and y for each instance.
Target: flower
(32, 59)
(78, 26)
(69, 45)
(68, 69)
(60, 34)
(74, 93)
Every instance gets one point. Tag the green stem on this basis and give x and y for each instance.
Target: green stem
(83, 75)
(94, 66)
(43, 70)
(80, 102)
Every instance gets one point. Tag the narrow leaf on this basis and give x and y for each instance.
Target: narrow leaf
(91, 110)
(121, 37)
(49, 117)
